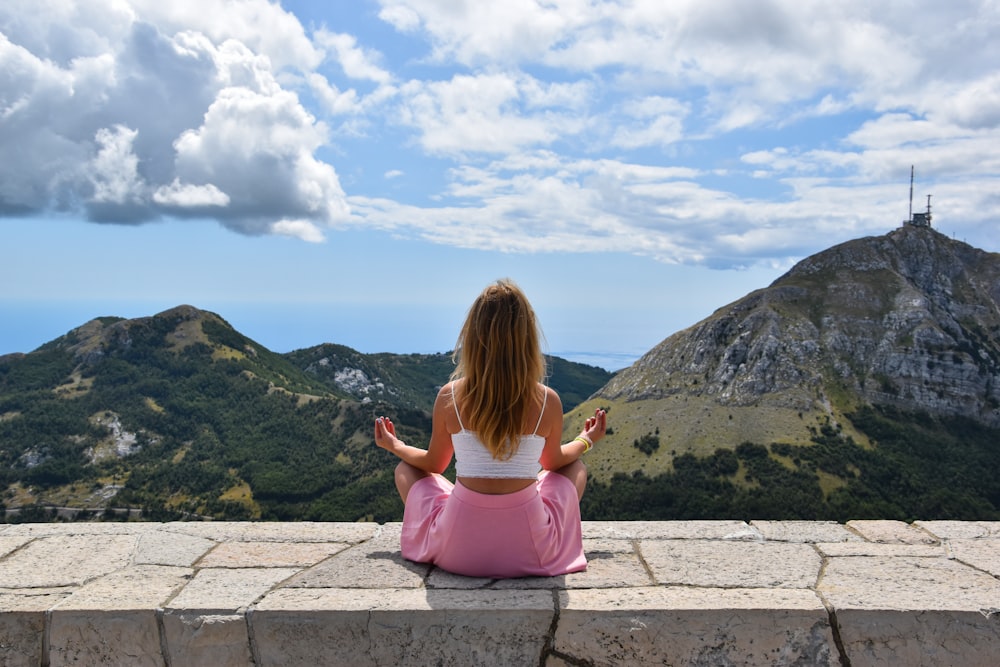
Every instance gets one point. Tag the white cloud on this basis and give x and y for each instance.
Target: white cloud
(304, 230)
(114, 169)
(335, 102)
(474, 32)
(491, 113)
(263, 26)
(357, 62)
(141, 109)
(258, 150)
(725, 133)
(653, 121)
(190, 196)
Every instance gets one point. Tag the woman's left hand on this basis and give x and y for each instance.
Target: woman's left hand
(595, 427)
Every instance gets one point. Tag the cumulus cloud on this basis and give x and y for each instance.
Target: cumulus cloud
(726, 133)
(489, 113)
(130, 112)
(190, 196)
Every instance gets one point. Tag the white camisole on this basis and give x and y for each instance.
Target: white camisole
(473, 459)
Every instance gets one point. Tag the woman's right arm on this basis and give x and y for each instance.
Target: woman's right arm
(438, 454)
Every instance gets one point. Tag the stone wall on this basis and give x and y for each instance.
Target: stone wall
(701, 593)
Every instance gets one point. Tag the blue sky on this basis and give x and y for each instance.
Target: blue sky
(356, 171)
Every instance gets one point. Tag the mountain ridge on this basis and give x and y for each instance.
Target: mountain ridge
(861, 384)
(183, 416)
(909, 319)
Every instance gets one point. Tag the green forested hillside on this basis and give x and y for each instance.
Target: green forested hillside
(182, 416)
(919, 467)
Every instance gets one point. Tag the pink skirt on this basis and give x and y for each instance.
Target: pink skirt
(532, 532)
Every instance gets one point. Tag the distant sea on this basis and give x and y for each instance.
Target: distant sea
(406, 329)
(609, 361)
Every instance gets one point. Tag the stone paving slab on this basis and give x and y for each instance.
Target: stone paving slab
(701, 592)
(670, 530)
(806, 531)
(881, 549)
(907, 583)
(980, 554)
(270, 554)
(960, 529)
(67, 560)
(229, 590)
(169, 548)
(721, 564)
(892, 532)
(9, 543)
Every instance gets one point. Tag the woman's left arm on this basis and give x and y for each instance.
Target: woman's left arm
(555, 454)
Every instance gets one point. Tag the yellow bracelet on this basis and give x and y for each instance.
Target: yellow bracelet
(588, 443)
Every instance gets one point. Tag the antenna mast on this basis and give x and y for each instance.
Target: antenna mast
(910, 217)
(918, 219)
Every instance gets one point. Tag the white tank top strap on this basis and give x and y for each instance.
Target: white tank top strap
(545, 396)
(454, 402)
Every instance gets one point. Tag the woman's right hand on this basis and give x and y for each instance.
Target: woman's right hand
(385, 434)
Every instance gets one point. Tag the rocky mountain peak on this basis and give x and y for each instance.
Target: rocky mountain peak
(911, 318)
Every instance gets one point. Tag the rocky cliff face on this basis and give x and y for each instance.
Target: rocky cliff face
(911, 318)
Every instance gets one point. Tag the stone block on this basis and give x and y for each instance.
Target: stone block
(981, 554)
(401, 627)
(228, 590)
(722, 564)
(919, 638)
(946, 530)
(164, 548)
(610, 564)
(9, 543)
(82, 529)
(694, 626)
(102, 636)
(139, 587)
(805, 531)
(834, 549)
(376, 563)
(267, 531)
(21, 635)
(22, 624)
(270, 554)
(893, 532)
(219, 640)
(68, 559)
(670, 530)
(906, 583)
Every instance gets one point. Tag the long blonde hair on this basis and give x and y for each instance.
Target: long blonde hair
(499, 359)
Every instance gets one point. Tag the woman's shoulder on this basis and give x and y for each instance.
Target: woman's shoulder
(447, 392)
(551, 397)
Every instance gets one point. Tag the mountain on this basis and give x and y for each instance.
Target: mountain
(862, 384)
(181, 415)
(845, 352)
(413, 380)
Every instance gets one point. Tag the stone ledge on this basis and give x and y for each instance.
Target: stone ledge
(689, 592)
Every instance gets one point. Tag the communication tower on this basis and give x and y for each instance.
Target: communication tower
(918, 219)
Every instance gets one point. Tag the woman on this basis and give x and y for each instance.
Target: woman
(515, 509)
